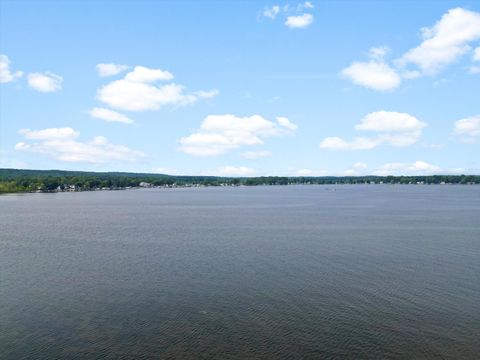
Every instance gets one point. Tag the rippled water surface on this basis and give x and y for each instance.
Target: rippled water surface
(298, 272)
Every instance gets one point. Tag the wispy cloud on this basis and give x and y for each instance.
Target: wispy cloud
(296, 17)
(109, 115)
(272, 12)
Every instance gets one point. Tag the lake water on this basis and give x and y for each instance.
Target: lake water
(298, 272)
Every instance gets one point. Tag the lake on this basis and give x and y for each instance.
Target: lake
(294, 272)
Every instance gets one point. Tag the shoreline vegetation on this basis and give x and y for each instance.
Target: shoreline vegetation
(21, 181)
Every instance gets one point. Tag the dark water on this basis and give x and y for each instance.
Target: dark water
(300, 272)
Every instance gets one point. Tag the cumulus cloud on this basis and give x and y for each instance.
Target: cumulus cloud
(6, 75)
(137, 91)
(468, 129)
(374, 74)
(235, 171)
(46, 82)
(393, 128)
(219, 134)
(62, 144)
(299, 21)
(109, 115)
(416, 168)
(110, 69)
(445, 42)
(145, 75)
(253, 155)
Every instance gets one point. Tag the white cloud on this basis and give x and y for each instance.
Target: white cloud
(272, 12)
(468, 129)
(299, 21)
(374, 74)
(358, 143)
(394, 128)
(253, 155)
(378, 53)
(50, 134)
(6, 75)
(305, 5)
(105, 70)
(219, 134)
(109, 115)
(62, 144)
(283, 121)
(445, 42)
(235, 171)
(145, 75)
(416, 168)
(135, 92)
(442, 44)
(47, 82)
(399, 129)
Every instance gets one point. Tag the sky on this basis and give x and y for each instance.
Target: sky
(241, 88)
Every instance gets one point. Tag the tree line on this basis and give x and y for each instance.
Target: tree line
(13, 180)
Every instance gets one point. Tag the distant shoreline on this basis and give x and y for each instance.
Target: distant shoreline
(53, 181)
(217, 186)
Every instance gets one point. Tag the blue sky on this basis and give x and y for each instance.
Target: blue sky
(241, 88)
